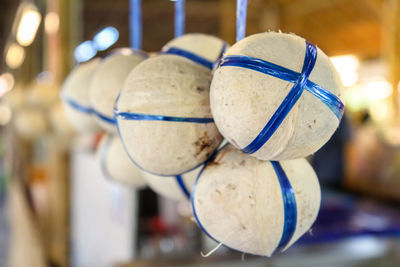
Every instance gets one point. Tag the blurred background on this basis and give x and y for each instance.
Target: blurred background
(56, 207)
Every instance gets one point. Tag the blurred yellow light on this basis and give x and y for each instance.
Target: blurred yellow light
(28, 26)
(15, 56)
(347, 67)
(381, 110)
(51, 23)
(5, 114)
(378, 88)
(6, 83)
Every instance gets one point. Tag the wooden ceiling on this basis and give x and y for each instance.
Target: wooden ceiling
(336, 26)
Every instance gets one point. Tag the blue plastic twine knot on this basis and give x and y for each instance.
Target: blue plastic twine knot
(300, 81)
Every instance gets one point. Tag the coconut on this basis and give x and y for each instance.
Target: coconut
(107, 82)
(207, 47)
(177, 133)
(244, 100)
(75, 96)
(238, 201)
(115, 163)
(174, 187)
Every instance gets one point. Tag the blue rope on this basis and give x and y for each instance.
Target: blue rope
(179, 18)
(289, 205)
(287, 104)
(75, 105)
(148, 117)
(182, 185)
(135, 23)
(241, 12)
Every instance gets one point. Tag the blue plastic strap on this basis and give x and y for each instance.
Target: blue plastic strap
(76, 106)
(241, 12)
(104, 117)
(135, 24)
(289, 205)
(290, 100)
(193, 57)
(182, 185)
(148, 117)
(179, 18)
(329, 99)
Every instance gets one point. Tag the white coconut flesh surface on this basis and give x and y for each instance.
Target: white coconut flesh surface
(238, 201)
(167, 85)
(75, 88)
(107, 82)
(170, 187)
(243, 100)
(116, 165)
(206, 46)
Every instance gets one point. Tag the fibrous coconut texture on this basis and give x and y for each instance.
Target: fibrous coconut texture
(167, 85)
(206, 46)
(238, 201)
(174, 187)
(107, 82)
(115, 163)
(243, 100)
(75, 89)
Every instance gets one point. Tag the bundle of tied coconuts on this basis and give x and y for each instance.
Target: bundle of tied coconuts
(274, 97)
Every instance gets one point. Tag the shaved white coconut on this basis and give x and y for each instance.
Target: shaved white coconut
(243, 100)
(173, 86)
(174, 187)
(75, 96)
(206, 46)
(238, 200)
(115, 163)
(30, 123)
(107, 82)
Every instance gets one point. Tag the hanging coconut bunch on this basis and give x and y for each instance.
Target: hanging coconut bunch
(75, 97)
(107, 82)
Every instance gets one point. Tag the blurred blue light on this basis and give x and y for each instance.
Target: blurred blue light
(85, 51)
(105, 38)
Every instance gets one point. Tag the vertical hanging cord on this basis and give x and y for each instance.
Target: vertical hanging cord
(241, 12)
(179, 18)
(135, 23)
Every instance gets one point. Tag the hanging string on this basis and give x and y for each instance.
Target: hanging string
(179, 18)
(135, 23)
(241, 12)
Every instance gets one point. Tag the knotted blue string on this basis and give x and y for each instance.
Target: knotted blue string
(241, 12)
(182, 185)
(179, 18)
(135, 23)
(289, 205)
(300, 81)
(148, 117)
